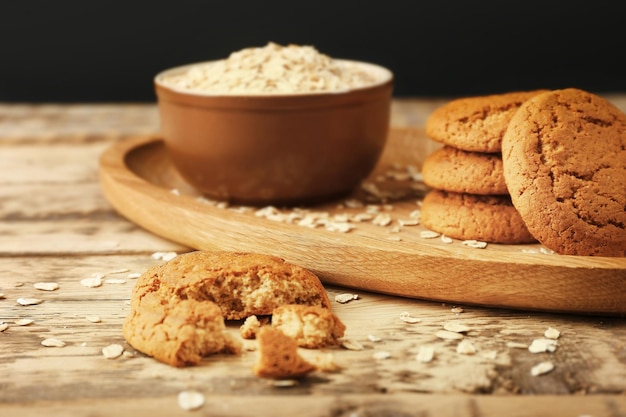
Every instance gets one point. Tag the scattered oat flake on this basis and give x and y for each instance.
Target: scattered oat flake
(2, 296)
(465, 347)
(457, 310)
(381, 355)
(446, 239)
(115, 281)
(425, 354)
(351, 345)
(428, 234)
(453, 326)
(133, 275)
(346, 298)
(46, 286)
(373, 338)
(542, 345)
(29, 301)
(24, 322)
(113, 351)
(475, 244)
(190, 400)
(118, 271)
(165, 256)
(284, 383)
(411, 222)
(541, 368)
(127, 354)
(3, 327)
(92, 282)
(552, 333)
(406, 317)
(93, 318)
(382, 219)
(52, 342)
(517, 345)
(446, 334)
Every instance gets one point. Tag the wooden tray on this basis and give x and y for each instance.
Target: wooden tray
(139, 180)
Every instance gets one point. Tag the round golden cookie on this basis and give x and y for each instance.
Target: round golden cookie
(476, 123)
(564, 157)
(241, 284)
(487, 218)
(453, 169)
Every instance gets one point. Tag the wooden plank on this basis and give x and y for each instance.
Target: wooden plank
(283, 404)
(588, 358)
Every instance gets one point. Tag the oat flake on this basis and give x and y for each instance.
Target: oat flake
(92, 282)
(428, 234)
(541, 368)
(425, 354)
(346, 298)
(351, 345)
(3, 327)
(190, 400)
(475, 244)
(46, 286)
(406, 317)
(381, 355)
(113, 351)
(373, 338)
(29, 301)
(552, 333)
(115, 281)
(52, 342)
(446, 334)
(93, 318)
(465, 347)
(133, 275)
(453, 326)
(542, 345)
(24, 322)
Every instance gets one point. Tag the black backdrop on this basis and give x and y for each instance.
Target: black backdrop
(99, 51)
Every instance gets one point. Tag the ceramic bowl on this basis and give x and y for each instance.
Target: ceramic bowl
(275, 149)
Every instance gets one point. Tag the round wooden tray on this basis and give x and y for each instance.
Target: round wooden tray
(139, 180)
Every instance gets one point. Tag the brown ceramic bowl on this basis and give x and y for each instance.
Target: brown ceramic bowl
(275, 149)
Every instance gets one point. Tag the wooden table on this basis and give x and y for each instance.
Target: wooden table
(56, 226)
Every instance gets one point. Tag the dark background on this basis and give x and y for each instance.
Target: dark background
(109, 51)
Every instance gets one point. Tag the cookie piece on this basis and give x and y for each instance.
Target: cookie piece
(311, 326)
(176, 332)
(488, 218)
(564, 156)
(278, 356)
(476, 123)
(241, 284)
(453, 169)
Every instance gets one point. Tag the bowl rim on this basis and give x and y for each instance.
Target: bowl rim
(386, 77)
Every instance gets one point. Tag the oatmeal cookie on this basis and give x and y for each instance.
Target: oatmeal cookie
(564, 159)
(487, 218)
(452, 169)
(476, 123)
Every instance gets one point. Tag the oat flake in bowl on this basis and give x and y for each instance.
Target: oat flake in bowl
(272, 69)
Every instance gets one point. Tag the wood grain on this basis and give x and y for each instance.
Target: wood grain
(138, 179)
(54, 226)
